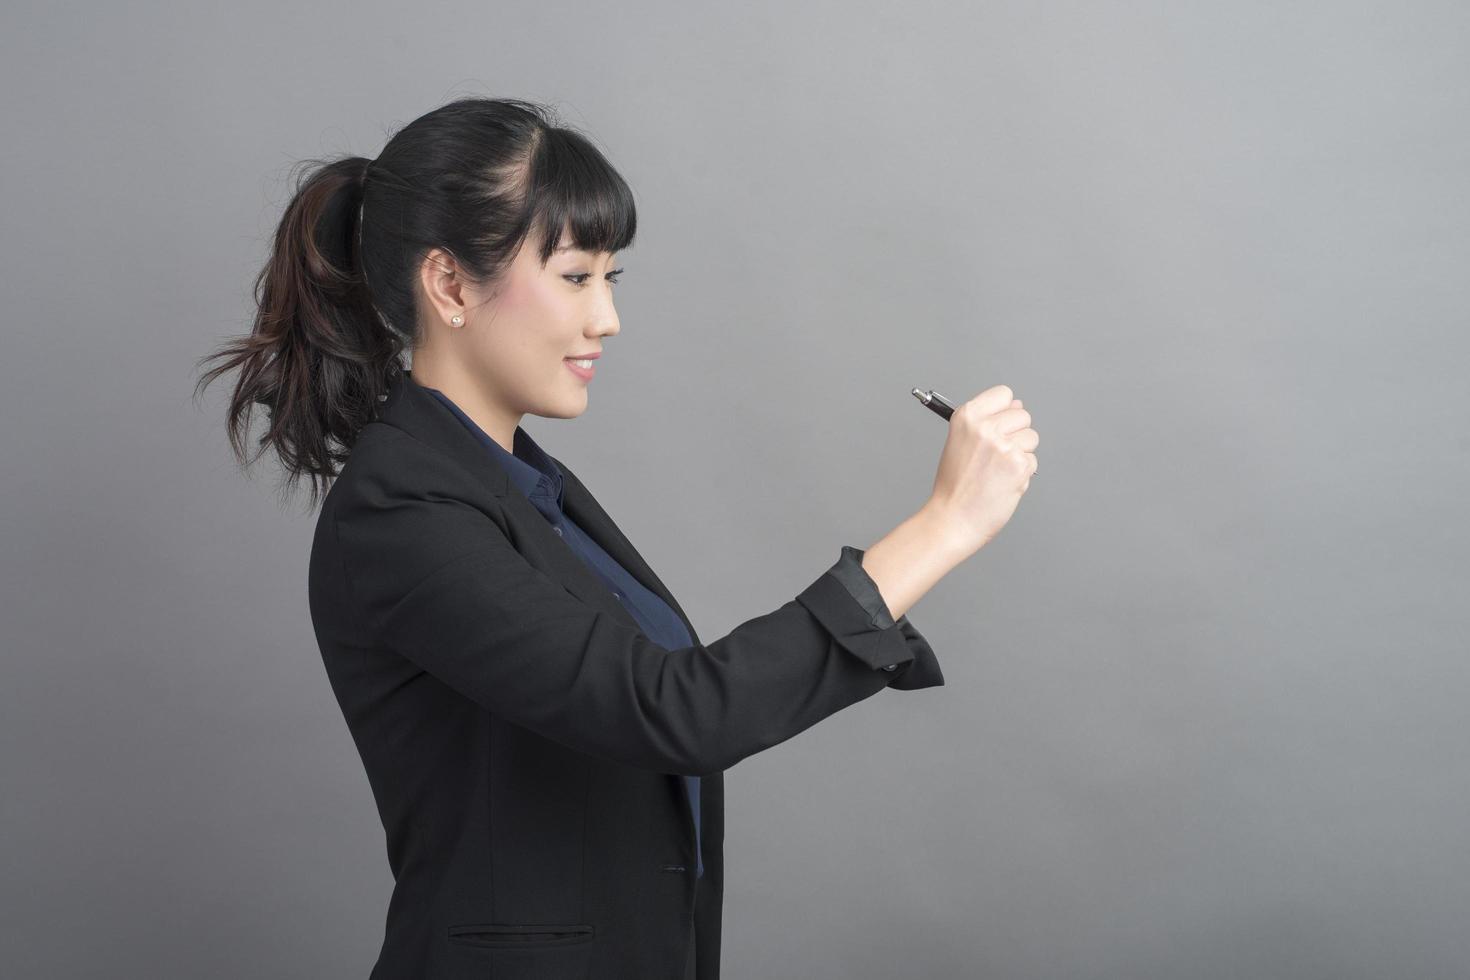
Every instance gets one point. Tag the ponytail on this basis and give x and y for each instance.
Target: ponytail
(337, 301)
(319, 354)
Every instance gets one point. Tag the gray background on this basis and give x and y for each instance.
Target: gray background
(1205, 712)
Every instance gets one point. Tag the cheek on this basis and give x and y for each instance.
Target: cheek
(514, 297)
(536, 303)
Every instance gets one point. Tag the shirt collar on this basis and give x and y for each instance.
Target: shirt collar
(530, 469)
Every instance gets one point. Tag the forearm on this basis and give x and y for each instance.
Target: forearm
(909, 560)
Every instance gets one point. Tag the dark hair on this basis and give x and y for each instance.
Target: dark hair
(336, 300)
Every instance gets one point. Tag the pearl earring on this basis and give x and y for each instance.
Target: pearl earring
(456, 319)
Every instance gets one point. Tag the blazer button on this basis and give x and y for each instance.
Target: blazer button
(556, 529)
(891, 667)
(617, 595)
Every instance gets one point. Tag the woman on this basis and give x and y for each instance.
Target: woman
(543, 730)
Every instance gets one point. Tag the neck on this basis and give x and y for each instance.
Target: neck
(498, 422)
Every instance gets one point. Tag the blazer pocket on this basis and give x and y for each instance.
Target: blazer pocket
(506, 934)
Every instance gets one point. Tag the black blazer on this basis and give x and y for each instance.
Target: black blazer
(524, 739)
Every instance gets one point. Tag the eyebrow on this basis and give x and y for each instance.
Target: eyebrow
(569, 248)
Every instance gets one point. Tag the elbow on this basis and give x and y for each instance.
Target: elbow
(701, 769)
(719, 749)
(704, 758)
(710, 766)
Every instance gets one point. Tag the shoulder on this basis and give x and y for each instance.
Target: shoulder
(387, 462)
(397, 486)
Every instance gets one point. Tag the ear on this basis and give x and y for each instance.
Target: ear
(444, 288)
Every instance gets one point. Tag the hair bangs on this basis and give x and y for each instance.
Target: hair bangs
(575, 190)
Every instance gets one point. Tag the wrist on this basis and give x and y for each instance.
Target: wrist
(909, 560)
(950, 538)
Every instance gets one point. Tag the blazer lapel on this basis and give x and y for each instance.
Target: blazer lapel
(584, 509)
(407, 406)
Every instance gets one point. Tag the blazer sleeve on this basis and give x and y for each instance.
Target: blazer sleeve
(924, 670)
(437, 581)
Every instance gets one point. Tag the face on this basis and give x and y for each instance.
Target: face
(516, 340)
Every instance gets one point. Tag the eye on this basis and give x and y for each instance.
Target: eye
(580, 278)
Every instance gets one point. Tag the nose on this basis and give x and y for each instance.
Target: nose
(607, 325)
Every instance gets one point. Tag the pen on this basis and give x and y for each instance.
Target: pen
(935, 403)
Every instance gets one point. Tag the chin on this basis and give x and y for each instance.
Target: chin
(568, 409)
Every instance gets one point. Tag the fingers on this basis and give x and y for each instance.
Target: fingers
(991, 400)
